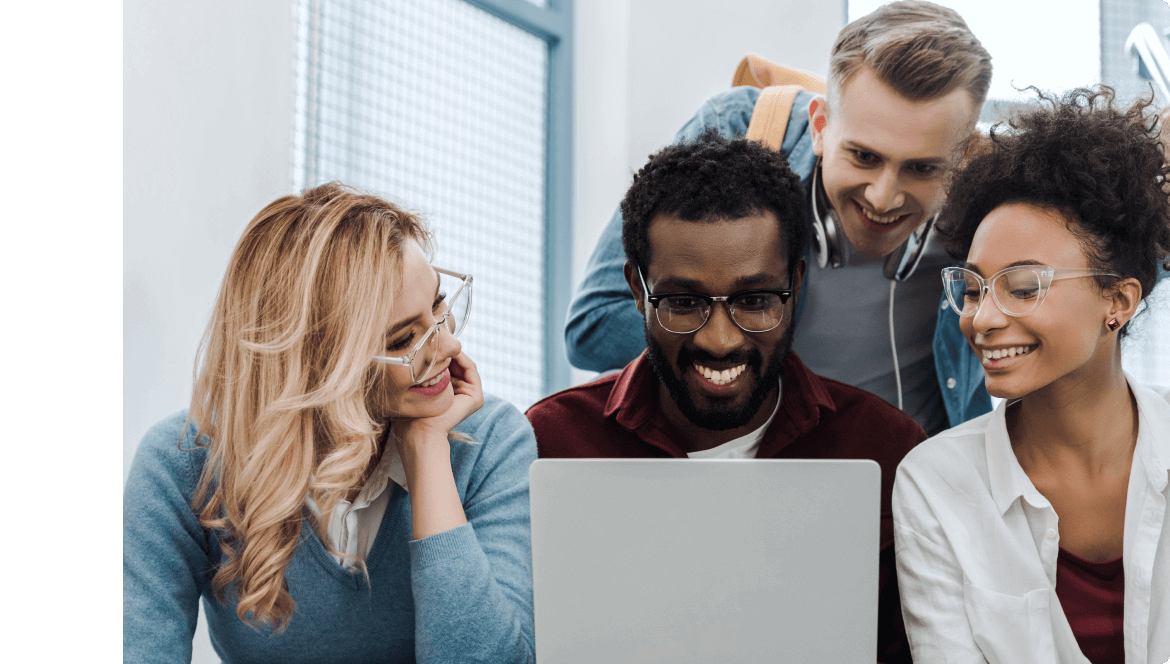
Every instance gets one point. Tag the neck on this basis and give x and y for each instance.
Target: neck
(695, 438)
(1088, 419)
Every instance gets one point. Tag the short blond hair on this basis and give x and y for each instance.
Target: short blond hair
(283, 379)
(921, 50)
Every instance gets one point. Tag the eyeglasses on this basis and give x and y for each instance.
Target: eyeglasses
(421, 359)
(1017, 291)
(754, 310)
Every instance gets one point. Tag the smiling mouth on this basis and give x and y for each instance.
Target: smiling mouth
(434, 381)
(886, 220)
(1005, 353)
(723, 377)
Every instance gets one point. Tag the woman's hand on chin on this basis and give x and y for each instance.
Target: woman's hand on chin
(468, 390)
(426, 455)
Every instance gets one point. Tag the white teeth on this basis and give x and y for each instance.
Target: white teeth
(720, 377)
(433, 381)
(877, 219)
(1000, 353)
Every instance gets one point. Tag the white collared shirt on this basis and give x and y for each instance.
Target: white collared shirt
(977, 544)
(354, 526)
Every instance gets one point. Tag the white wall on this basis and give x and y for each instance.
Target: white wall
(207, 121)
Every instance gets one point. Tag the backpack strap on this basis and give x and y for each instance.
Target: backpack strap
(770, 116)
(780, 85)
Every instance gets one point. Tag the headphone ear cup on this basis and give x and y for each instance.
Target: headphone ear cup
(825, 225)
(820, 250)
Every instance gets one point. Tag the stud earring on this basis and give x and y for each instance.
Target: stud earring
(1112, 324)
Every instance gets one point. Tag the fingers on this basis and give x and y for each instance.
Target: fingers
(463, 369)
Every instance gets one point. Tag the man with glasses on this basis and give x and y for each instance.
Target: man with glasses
(713, 232)
(905, 88)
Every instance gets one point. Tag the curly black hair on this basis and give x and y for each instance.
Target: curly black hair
(1099, 165)
(713, 179)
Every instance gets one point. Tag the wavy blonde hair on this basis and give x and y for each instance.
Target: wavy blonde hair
(283, 380)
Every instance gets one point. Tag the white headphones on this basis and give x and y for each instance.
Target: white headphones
(830, 248)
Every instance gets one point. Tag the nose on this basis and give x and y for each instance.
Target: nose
(885, 192)
(988, 317)
(449, 345)
(719, 335)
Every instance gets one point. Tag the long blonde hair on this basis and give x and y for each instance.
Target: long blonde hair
(283, 378)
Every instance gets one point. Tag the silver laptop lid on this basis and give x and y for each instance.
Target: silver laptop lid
(686, 560)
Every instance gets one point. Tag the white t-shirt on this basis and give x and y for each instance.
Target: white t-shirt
(744, 447)
(977, 544)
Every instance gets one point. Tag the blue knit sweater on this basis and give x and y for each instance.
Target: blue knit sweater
(463, 595)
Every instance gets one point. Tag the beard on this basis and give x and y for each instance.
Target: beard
(719, 416)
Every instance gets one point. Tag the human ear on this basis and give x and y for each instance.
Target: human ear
(631, 274)
(798, 277)
(1124, 297)
(818, 119)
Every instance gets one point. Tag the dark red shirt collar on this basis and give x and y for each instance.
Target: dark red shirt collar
(633, 404)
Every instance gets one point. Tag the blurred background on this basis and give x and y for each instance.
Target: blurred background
(514, 125)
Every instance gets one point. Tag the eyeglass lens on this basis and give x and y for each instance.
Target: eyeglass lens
(458, 302)
(456, 307)
(1017, 292)
(754, 312)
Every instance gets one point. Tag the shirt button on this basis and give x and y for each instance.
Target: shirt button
(1051, 533)
(943, 306)
(950, 383)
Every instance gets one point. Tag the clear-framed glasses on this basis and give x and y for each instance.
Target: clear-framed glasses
(1017, 291)
(754, 310)
(455, 291)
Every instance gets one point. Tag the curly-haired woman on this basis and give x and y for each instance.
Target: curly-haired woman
(340, 489)
(1039, 532)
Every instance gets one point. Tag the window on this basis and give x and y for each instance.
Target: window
(457, 110)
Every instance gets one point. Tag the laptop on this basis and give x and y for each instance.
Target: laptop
(721, 560)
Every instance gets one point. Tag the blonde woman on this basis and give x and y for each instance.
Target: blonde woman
(340, 490)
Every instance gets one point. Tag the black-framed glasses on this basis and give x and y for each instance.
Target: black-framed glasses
(752, 310)
(456, 310)
(1017, 290)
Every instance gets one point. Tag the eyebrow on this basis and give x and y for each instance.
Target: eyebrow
(932, 161)
(413, 319)
(968, 265)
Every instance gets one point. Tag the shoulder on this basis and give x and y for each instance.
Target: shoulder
(868, 413)
(168, 453)
(952, 461)
(581, 401)
(734, 100)
(1153, 396)
(569, 422)
(729, 112)
(500, 434)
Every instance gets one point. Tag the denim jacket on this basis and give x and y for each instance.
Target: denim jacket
(604, 331)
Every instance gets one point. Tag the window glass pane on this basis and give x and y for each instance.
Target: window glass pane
(441, 107)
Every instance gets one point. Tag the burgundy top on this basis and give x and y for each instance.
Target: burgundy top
(819, 418)
(1093, 598)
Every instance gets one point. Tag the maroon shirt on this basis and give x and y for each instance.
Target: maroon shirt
(1093, 598)
(618, 416)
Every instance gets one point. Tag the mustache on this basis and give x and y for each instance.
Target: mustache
(688, 357)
